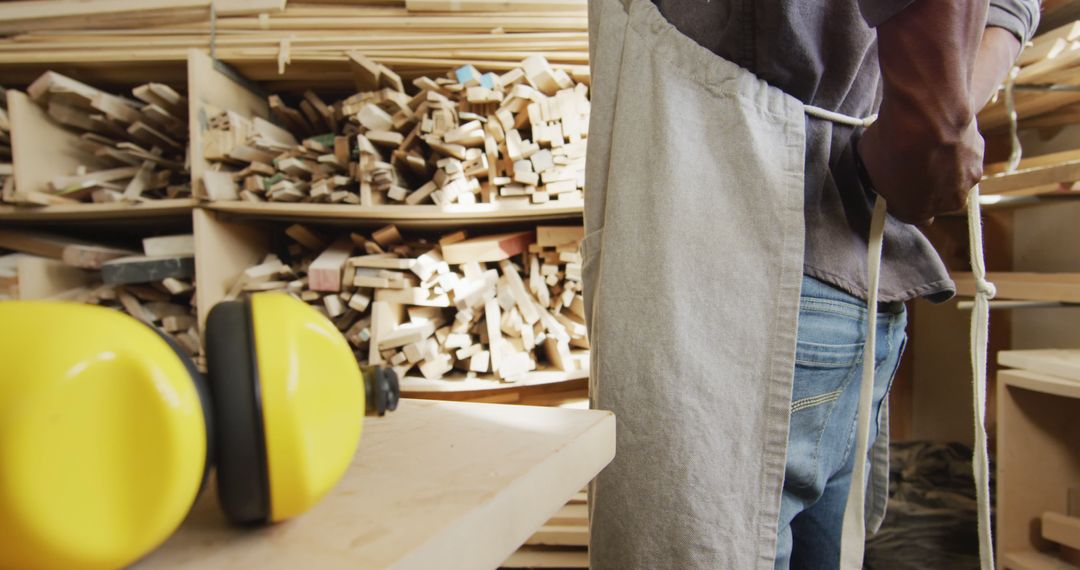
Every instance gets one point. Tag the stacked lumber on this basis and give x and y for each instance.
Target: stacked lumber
(7, 183)
(561, 543)
(1052, 58)
(139, 146)
(416, 37)
(33, 15)
(465, 138)
(492, 306)
(155, 285)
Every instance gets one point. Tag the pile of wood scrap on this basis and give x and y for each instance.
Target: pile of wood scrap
(415, 36)
(1046, 85)
(7, 183)
(492, 306)
(139, 145)
(155, 285)
(465, 138)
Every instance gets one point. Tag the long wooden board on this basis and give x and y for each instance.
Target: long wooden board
(430, 216)
(178, 208)
(443, 485)
(419, 384)
(1031, 177)
(1063, 287)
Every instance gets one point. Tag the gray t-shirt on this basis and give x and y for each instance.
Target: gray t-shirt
(824, 53)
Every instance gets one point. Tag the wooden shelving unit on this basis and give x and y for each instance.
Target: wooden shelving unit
(231, 236)
(1038, 459)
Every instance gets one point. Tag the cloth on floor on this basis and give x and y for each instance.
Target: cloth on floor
(932, 519)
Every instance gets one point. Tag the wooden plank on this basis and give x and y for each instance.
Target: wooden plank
(36, 243)
(1032, 560)
(451, 384)
(1062, 529)
(42, 278)
(555, 236)
(406, 217)
(488, 248)
(560, 535)
(181, 244)
(1026, 163)
(324, 274)
(1063, 363)
(535, 557)
(571, 515)
(92, 256)
(487, 498)
(1031, 177)
(1063, 287)
(494, 5)
(179, 208)
(32, 15)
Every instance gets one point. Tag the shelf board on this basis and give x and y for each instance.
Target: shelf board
(1034, 177)
(1031, 560)
(1063, 363)
(1062, 529)
(425, 216)
(118, 211)
(1062, 287)
(1044, 383)
(417, 384)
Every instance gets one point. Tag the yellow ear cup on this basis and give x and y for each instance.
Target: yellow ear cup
(102, 437)
(312, 397)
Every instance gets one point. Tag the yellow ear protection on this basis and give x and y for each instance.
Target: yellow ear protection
(107, 431)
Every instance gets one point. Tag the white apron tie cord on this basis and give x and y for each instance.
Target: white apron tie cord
(853, 539)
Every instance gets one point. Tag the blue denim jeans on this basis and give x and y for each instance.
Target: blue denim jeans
(824, 403)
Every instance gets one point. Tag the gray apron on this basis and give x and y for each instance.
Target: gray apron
(693, 260)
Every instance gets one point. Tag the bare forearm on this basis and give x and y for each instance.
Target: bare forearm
(924, 152)
(997, 54)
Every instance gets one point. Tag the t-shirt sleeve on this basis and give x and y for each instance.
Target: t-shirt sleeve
(875, 12)
(1020, 17)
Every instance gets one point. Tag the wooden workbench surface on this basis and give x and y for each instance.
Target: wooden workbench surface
(433, 485)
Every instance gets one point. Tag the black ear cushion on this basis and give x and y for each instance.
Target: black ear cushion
(204, 398)
(242, 479)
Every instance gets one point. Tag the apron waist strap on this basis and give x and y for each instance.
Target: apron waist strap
(853, 537)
